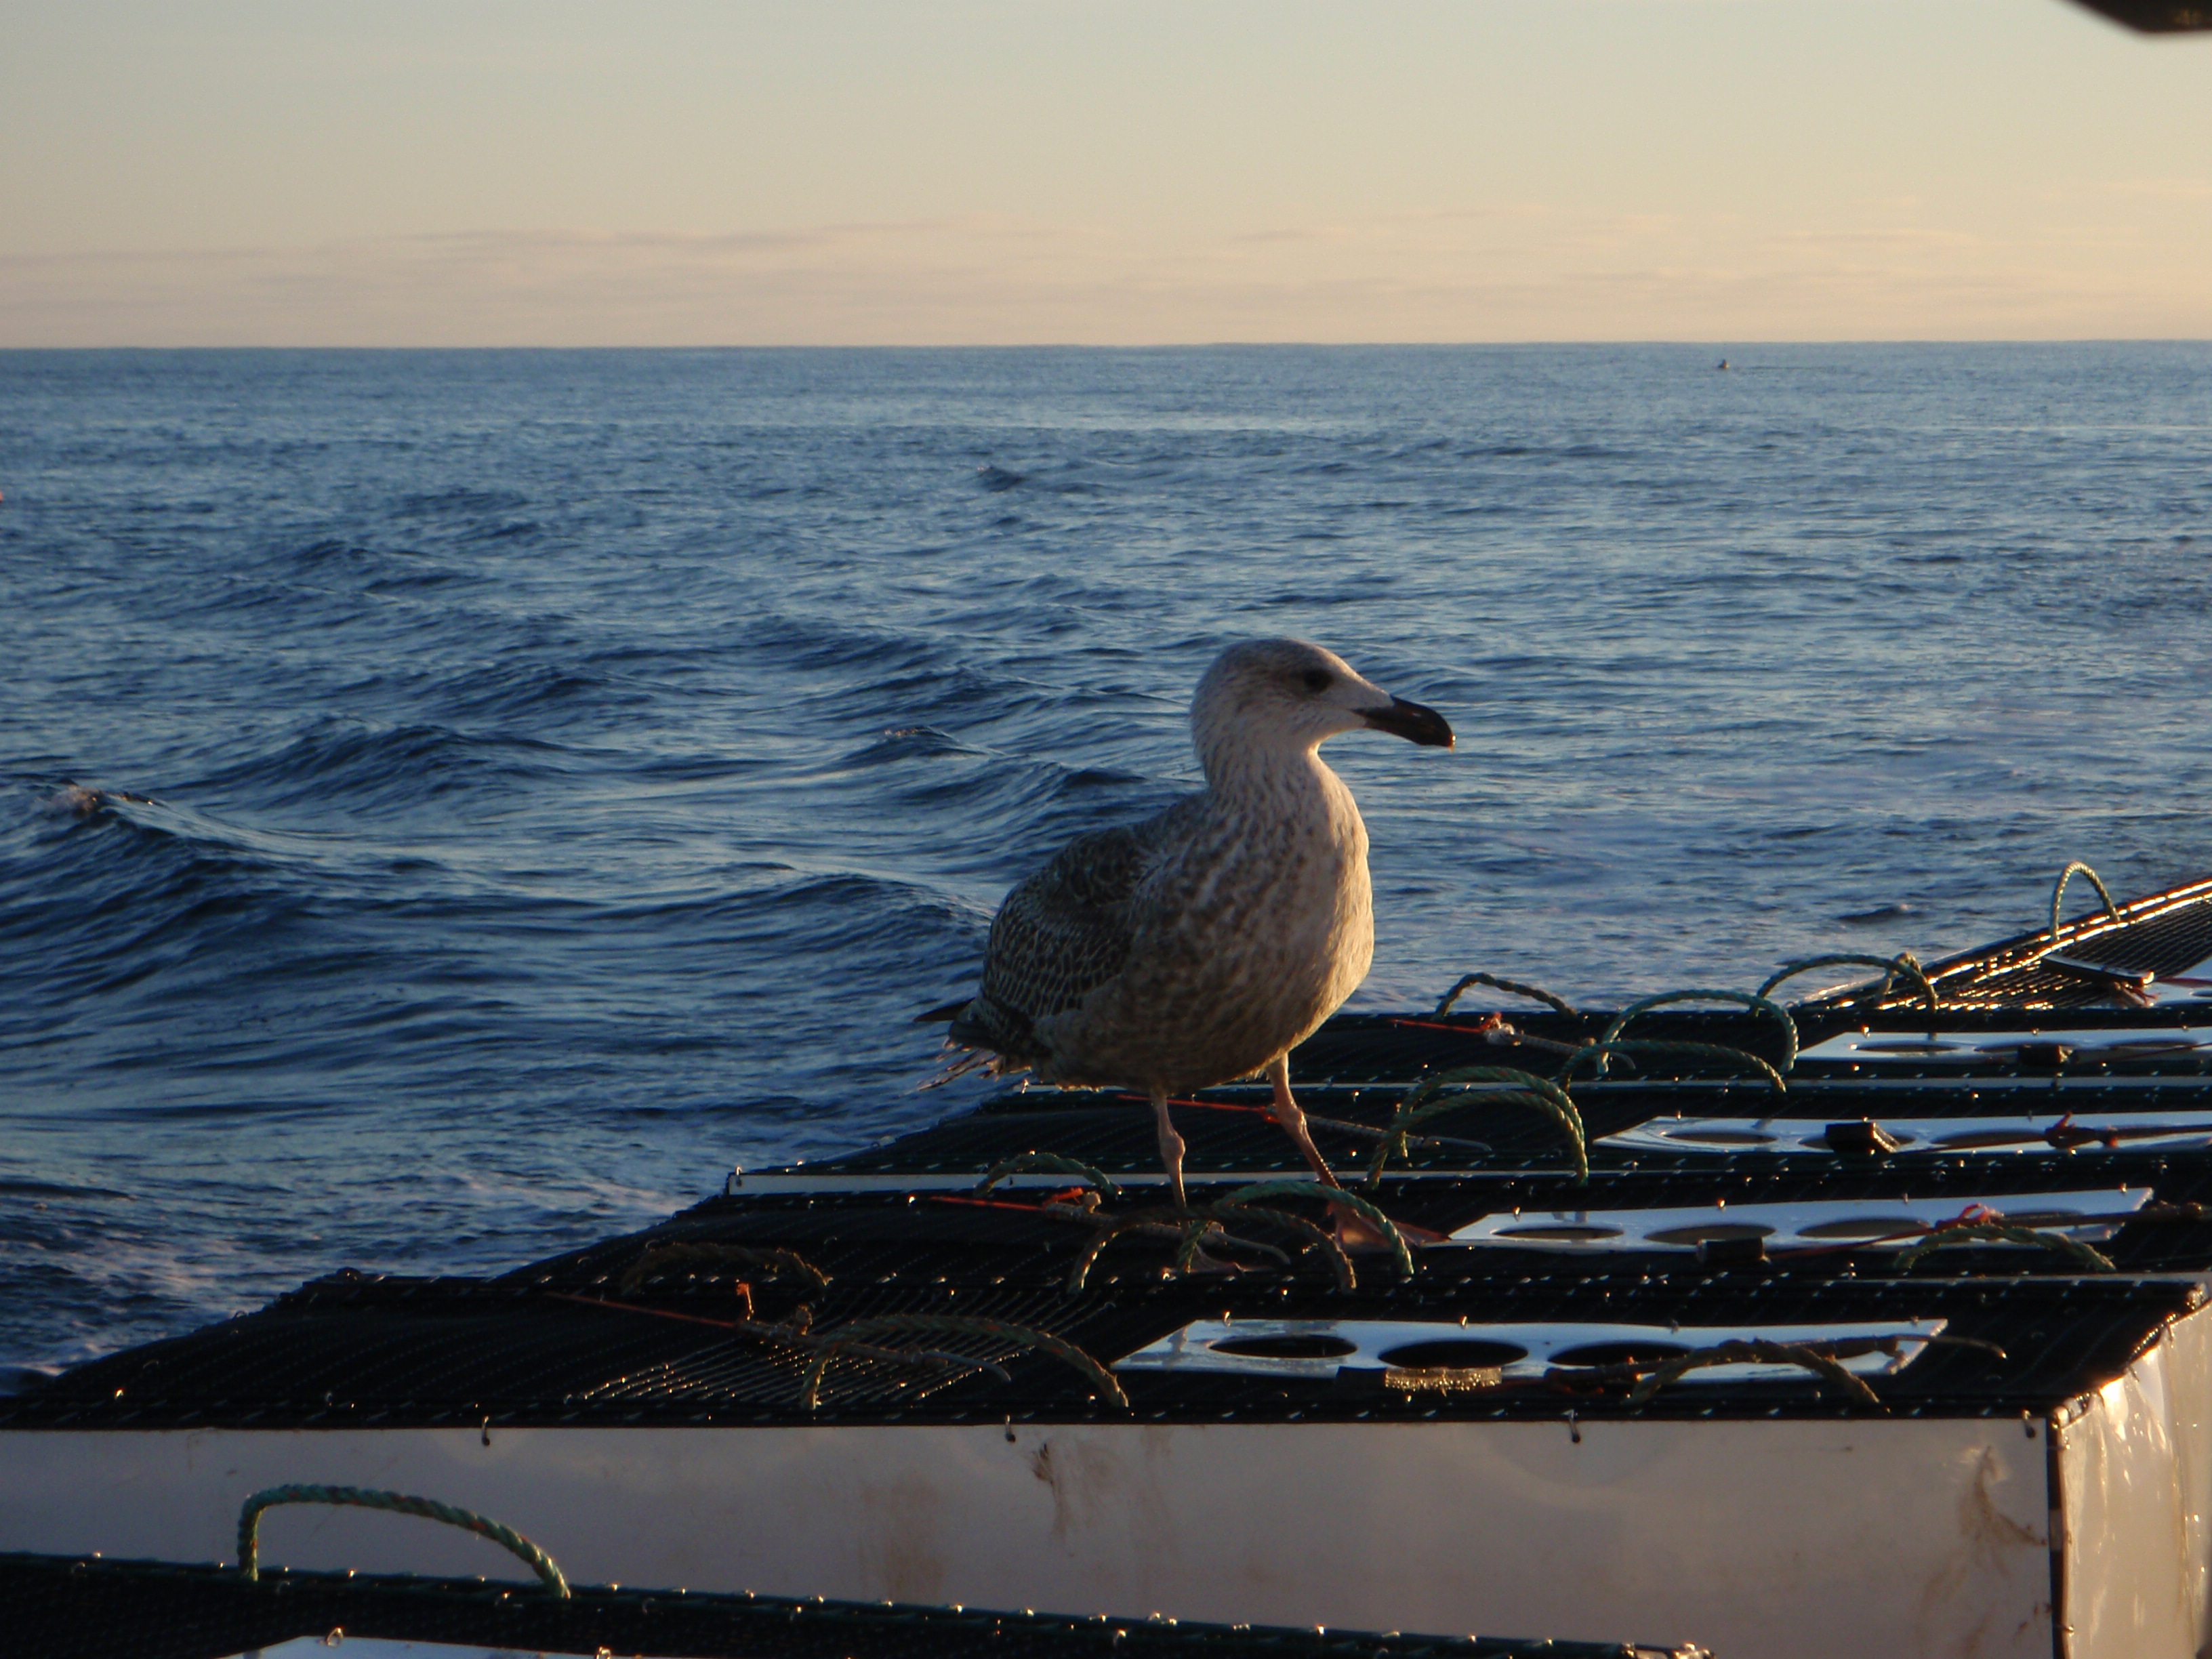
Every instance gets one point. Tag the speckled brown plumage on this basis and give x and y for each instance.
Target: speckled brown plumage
(1206, 943)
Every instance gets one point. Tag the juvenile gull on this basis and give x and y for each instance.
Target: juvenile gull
(1206, 943)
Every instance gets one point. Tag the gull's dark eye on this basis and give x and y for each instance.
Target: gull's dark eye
(1317, 679)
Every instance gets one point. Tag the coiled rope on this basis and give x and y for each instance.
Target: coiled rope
(1996, 1230)
(1021, 1163)
(2058, 893)
(1203, 1225)
(1533, 992)
(1824, 1359)
(1601, 1052)
(1199, 1228)
(849, 1338)
(1903, 965)
(398, 1503)
(1521, 1088)
(1757, 1002)
(1365, 1208)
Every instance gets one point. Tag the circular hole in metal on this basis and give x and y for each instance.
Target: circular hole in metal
(1562, 1231)
(1285, 1348)
(1639, 1352)
(1863, 1226)
(1721, 1137)
(1455, 1353)
(1706, 1232)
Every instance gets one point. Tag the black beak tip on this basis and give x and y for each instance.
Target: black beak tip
(1415, 722)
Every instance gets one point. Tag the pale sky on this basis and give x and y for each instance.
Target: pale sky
(1127, 172)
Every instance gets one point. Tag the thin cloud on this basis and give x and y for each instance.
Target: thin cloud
(1509, 273)
(2162, 190)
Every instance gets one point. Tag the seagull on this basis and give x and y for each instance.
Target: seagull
(1204, 944)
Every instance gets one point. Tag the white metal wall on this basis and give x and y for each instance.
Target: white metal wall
(2135, 1489)
(1762, 1540)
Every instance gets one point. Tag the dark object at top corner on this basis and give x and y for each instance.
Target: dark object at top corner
(2153, 16)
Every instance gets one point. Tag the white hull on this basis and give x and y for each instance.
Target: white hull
(1761, 1539)
(1784, 1539)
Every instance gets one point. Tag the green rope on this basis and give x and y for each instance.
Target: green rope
(1822, 1361)
(1756, 1003)
(249, 1524)
(2058, 893)
(1708, 1050)
(1526, 1090)
(1183, 1226)
(2084, 1256)
(658, 1257)
(1435, 1083)
(1052, 1162)
(1365, 1208)
(1533, 992)
(1162, 1221)
(1339, 1259)
(1569, 1123)
(1421, 1115)
(1021, 1336)
(1904, 964)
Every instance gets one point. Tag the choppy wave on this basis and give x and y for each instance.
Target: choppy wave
(458, 804)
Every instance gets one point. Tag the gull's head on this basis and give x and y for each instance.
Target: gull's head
(1289, 694)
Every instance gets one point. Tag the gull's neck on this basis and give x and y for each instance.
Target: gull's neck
(1289, 766)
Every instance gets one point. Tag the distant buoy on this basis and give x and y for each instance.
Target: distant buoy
(1724, 362)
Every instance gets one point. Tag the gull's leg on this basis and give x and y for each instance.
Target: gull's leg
(1294, 1120)
(1352, 1230)
(1170, 1145)
(1195, 1258)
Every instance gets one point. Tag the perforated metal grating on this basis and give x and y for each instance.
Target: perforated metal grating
(371, 1352)
(582, 1338)
(2165, 933)
(64, 1608)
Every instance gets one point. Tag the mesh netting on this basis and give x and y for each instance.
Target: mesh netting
(88, 1610)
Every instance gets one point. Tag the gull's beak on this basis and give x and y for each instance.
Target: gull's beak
(1415, 722)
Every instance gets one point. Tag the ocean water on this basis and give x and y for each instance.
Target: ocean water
(538, 782)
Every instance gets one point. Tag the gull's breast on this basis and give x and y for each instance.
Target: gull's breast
(1248, 934)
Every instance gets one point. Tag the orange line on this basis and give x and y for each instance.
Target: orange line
(1206, 1105)
(631, 1307)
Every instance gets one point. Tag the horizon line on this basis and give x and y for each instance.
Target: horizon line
(1712, 345)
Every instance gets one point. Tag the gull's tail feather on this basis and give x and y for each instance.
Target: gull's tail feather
(996, 1041)
(997, 1030)
(972, 1060)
